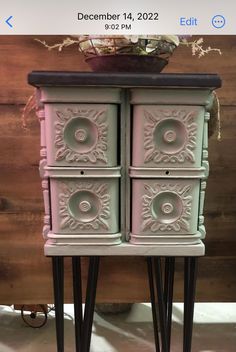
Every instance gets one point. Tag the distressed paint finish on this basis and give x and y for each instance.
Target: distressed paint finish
(165, 207)
(85, 206)
(172, 136)
(169, 97)
(95, 95)
(127, 249)
(172, 126)
(42, 164)
(203, 181)
(81, 135)
(124, 162)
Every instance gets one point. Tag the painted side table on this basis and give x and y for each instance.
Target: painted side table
(124, 168)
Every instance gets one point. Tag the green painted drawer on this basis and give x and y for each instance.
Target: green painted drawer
(165, 207)
(81, 134)
(85, 206)
(167, 136)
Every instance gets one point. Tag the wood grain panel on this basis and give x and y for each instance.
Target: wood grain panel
(224, 65)
(21, 54)
(119, 281)
(20, 189)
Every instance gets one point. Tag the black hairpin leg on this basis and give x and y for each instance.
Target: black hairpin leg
(161, 305)
(153, 303)
(77, 289)
(58, 282)
(168, 295)
(186, 303)
(190, 277)
(90, 302)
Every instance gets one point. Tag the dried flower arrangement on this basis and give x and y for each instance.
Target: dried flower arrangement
(139, 45)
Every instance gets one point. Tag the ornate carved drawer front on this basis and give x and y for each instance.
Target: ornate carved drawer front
(164, 207)
(124, 157)
(85, 206)
(81, 135)
(167, 136)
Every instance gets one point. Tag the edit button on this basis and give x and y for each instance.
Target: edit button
(188, 21)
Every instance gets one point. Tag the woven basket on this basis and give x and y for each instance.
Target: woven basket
(118, 54)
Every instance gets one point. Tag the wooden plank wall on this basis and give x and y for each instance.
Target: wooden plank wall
(25, 274)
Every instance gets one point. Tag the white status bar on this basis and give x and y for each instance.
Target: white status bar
(123, 17)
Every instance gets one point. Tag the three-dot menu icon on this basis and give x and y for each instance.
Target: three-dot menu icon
(218, 21)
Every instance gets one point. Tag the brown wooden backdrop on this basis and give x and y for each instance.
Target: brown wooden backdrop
(25, 274)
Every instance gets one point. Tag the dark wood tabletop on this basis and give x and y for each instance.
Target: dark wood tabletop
(57, 78)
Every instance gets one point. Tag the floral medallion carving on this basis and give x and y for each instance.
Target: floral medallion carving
(169, 136)
(81, 135)
(166, 207)
(84, 206)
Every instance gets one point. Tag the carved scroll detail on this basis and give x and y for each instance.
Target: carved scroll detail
(169, 136)
(84, 206)
(81, 135)
(166, 207)
(43, 162)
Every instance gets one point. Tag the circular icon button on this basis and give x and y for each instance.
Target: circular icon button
(218, 21)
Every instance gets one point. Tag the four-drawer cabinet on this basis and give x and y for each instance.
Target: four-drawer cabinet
(124, 156)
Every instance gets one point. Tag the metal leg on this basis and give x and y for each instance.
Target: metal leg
(166, 282)
(161, 305)
(186, 298)
(153, 302)
(77, 289)
(189, 297)
(168, 295)
(58, 282)
(90, 302)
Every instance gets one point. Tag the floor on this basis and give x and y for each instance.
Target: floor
(214, 330)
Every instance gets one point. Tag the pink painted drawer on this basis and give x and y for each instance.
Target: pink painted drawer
(81, 134)
(167, 136)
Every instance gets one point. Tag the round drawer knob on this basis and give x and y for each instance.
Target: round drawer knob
(85, 206)
(167, 208)
(81, 135)
(170, 136)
